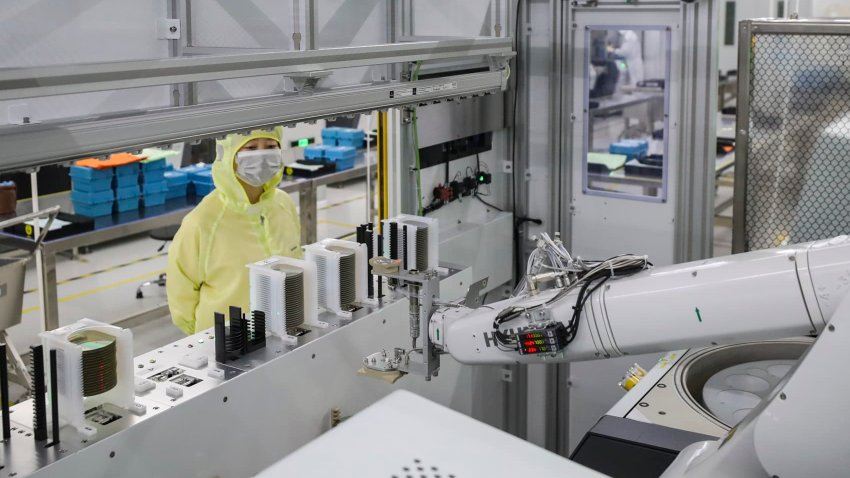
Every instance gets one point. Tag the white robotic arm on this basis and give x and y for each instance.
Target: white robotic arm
(803, 429)
(766, 294)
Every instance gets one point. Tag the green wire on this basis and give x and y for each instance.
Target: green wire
(420, 211)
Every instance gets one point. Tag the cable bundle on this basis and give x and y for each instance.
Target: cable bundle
(586, 276)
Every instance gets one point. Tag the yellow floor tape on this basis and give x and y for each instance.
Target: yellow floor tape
(100, 271)
(337, 223)
(100, 289)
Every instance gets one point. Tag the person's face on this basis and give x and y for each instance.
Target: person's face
(260, 143)
(257, 144)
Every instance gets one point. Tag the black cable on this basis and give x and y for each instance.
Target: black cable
(516, 75)
(590, 281)
(487, 203)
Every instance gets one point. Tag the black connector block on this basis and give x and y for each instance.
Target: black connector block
(243, 336)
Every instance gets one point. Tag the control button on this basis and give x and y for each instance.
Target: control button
(174, 391)
(138, 409)
(216, 373)
(143, 385)
(194, 360)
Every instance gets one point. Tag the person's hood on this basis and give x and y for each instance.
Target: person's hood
(224, 176)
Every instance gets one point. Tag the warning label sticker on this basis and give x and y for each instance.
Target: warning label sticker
(402, 93)
(424, 90)
(438, 88)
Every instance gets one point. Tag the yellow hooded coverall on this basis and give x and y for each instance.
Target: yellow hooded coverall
(206, 261)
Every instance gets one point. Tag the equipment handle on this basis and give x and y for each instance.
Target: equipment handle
(51, 214)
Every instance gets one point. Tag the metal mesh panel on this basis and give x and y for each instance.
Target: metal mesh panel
(798, 156)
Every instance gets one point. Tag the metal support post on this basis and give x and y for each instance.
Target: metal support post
(49, 289)
(312, 20)
(308, 212)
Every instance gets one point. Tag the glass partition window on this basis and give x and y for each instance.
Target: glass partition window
(626, 101)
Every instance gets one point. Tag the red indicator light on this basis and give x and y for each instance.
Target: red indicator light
(528, 342)
(532, 350)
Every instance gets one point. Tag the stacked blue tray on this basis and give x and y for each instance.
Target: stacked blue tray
(153, 183)
(153, 170)
(316, 151)
(350, 137)
(342, 156)
(93, 203)
(154, 194)
(127, 198)
(177, 183)
(91, 191)
(330, 136)
(200, 179)
(203, 182)
(126, 175)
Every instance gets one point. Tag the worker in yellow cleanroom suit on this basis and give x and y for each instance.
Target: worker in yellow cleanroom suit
(245, 219)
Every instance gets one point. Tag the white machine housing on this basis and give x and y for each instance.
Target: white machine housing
(267, 284)
(327, 263)
(69, 358)
(413, 224)
(778, 293)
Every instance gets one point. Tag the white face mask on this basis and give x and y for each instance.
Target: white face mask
(258, 167)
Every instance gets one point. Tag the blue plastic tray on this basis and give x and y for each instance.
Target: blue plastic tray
(128, 204)
(82, 172)
(129, 192)
(330, 136)
(202, 189)
(179, 191)
(204, 177)
(127, 180)
(175, 178)
(155, 199)
(154, 188)
(153, 176)
(153, 165)
(350, 137)
(127, 169)
(92, 197)
(91, 185)
(633, 148)
(197, 169)
(93, 210)
(343, 164)
(341, 152)
(316, 151)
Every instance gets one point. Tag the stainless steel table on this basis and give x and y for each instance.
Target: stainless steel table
(125, 224)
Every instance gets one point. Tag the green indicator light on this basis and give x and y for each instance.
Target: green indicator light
(303, 142)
